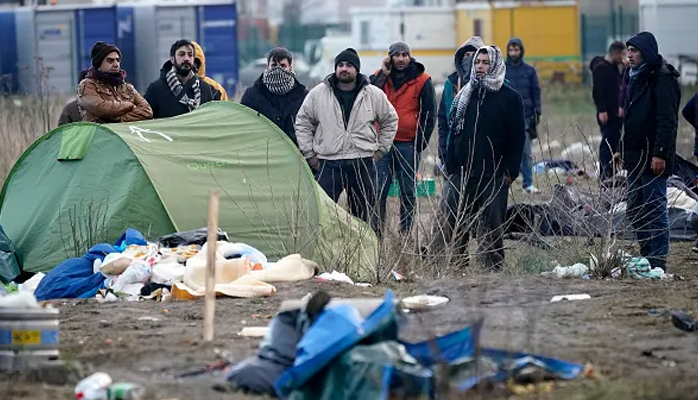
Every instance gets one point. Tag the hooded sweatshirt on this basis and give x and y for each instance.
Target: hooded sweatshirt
(524, 79)
(651, 109)
(451, 87)
(200, 60)
(606, 92)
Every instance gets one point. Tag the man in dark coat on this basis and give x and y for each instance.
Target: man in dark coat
(71, 111)
(649, 144)
(277, 94)
(179, 90)
(483, 156)
(606, 77)
(524, 78)
(411, 92)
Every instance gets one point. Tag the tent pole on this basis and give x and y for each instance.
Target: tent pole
(210, 300)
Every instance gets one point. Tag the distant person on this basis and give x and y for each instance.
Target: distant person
(487, 129)
(71, 111)
(649, 144)
(336, 134)
(179, 90)
(277, 94)
(463, 59)
(104, 96)
(606, 75)
(524, 78)
(411, 92)
(200, 67)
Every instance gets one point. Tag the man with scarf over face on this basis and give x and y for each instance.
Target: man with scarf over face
(104, 96)
(411, 92)
(277, 94)
(179, 89)
(649, 144)
(464, 63)
(483, 156)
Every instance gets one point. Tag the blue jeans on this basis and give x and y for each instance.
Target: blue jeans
(357, 178)
(649, 216)
(527, 160)
(402, 161)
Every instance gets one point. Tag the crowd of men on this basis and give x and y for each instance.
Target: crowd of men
(359, 133)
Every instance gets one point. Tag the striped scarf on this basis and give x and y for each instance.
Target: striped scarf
(177, 88)
(491, 82)
(278, 80)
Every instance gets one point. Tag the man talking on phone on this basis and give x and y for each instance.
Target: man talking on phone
(411, 92)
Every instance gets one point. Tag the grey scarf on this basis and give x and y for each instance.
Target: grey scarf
(491, 82)
(278, 80)
(177, 88)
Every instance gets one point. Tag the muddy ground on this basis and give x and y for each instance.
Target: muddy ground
(639, 355)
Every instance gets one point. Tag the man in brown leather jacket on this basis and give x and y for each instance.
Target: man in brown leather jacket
(104, 96)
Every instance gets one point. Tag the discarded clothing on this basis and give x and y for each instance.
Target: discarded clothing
(149, 288)
(640, 268)
(196, 236)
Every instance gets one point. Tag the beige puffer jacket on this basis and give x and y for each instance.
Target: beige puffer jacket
(320, 124)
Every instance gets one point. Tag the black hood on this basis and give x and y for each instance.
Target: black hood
(595, 61)
(647, 44)
(666, 68)
(518, 42)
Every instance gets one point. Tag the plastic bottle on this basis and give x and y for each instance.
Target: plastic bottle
(94, 387)
(125, 391)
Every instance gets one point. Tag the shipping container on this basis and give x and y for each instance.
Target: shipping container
(8, 52)
(57, 42)
(212, 25)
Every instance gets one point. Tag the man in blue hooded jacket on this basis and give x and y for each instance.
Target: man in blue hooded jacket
(649, 144)
(524, 78)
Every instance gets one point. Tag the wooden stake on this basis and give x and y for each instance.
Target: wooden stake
(210, 300)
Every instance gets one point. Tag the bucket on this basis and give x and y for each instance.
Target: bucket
(28, 337)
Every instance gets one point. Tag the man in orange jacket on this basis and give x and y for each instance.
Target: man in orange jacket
(200, 65)
(411, 92)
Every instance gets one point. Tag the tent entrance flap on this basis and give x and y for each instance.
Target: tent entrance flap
(75, 141)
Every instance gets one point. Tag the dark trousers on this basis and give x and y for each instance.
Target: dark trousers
(476, 206)
(649, 216)
(402, 162)
(610, 139)
(357, 177)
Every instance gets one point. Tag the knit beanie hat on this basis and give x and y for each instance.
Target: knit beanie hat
(399, 47)
(349, 55)
(100, 51)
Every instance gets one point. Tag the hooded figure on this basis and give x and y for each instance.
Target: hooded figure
(483, 156)
(71, 111)
(463, 60)
(200, 64)
(649, 144)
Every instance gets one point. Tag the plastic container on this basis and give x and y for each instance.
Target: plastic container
(125, 391)
(94, 387)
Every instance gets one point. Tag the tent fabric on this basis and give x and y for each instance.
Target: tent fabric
(10, 263)
(75, 143)
(156, 176)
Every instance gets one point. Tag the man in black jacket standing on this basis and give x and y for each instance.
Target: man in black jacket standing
(179, 90)
(649, 144)
(606, 78)
(277, 94)
(484, 154)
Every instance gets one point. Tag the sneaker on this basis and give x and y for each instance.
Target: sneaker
(531, 189)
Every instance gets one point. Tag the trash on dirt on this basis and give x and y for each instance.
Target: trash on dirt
(125, 391)
(31, 284)
(657, 313)
(22, 300)
(640, 268)
(254, 331)
(397, 276)
(149, 318)
(94, 387)
(578, 269)
(570, 297)
(682, 320)
(335, 276)
(424, 302)
(221, 365)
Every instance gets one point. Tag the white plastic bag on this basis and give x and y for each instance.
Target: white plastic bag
(30, 285)
(244, 251)
(137, 272)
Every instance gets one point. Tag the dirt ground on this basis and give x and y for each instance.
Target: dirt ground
(640, 355)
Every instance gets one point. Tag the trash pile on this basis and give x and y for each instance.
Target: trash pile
(635, 267)
(172, 268)
(339, 349)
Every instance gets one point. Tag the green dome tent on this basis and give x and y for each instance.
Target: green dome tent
(84, 183)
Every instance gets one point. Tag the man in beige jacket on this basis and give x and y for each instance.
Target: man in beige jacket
(343, 127)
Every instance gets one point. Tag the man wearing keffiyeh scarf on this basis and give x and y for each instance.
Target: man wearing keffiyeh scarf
(179, 90)
(483, 155)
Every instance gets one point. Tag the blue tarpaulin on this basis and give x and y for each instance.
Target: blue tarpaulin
(75, 278)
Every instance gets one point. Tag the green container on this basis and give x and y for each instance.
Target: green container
(425, 188)
(125, 391)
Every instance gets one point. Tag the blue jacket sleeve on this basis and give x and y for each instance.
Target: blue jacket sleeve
(535, 91)
(443, 128)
